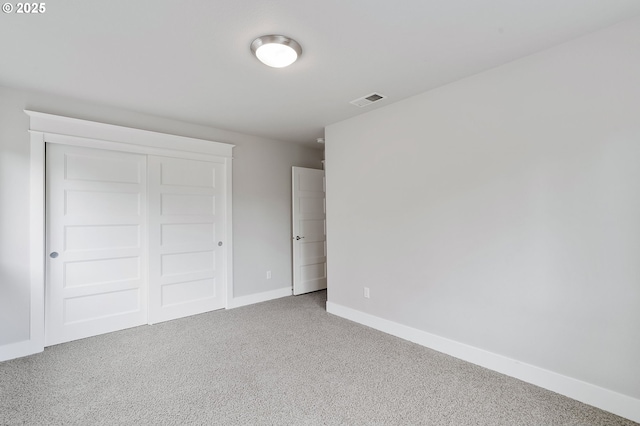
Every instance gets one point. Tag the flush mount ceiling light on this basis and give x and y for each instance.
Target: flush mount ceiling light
(277, 51)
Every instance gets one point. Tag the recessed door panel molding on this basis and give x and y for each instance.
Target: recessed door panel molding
(88, 272)
(196, 291)
(200, 174)
(96, 268)
(309, 231)
(186, 234)
(101, 306)
(310, 182)
(184, 263)
(93, 167)
(312, 229)
(314, 271)
(311, 250)
(309, 205)
(78, 238)
(172, 204)
(176, 234)
(102, 203)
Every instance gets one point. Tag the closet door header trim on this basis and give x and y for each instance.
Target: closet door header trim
(50, 124)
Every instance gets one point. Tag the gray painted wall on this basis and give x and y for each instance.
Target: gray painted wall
(261, 198)
(503, 211)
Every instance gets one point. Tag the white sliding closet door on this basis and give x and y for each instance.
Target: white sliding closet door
(96, 245)
(186, 237)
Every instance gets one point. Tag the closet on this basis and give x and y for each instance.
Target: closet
(135, 233)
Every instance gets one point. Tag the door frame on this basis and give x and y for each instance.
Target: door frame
(47, 128)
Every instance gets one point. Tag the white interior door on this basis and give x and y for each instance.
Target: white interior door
(186, 237)
(309, 231)
(96, 229)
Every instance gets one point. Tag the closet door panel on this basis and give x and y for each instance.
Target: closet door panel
(96, 239)
(186, 210)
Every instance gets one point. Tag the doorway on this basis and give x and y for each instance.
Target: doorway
(309, 230)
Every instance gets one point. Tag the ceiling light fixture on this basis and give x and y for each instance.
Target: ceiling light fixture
(276, 51)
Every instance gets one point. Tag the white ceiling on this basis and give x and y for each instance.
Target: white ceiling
(190, 60)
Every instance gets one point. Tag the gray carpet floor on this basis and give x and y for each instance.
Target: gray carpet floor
(283, 362)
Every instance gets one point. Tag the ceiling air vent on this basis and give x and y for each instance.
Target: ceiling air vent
(368, 100)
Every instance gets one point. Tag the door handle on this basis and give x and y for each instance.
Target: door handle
(53, 254)
(299, 238)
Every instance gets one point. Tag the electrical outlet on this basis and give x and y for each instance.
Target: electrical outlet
(366, 293)
(268, 275)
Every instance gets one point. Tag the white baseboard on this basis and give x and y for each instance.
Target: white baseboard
(605, 399)
(19, 349)
(30, 347)
(236, 302)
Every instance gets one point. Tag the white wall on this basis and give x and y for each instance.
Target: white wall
(503, 211)
(261, 198)
(262, 213)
